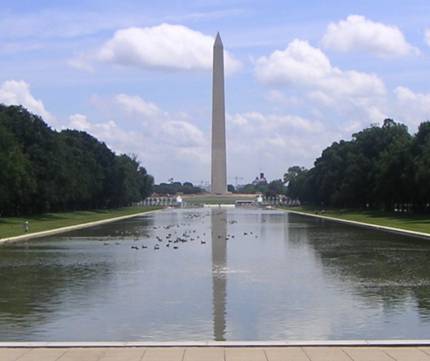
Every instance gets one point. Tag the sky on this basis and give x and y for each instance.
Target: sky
(137, 75)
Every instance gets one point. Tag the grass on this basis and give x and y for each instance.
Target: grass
(13, 226)
(411, 222)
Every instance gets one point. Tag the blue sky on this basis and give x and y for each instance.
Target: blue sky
(136, 74)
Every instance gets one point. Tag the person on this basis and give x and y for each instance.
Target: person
(26, 226)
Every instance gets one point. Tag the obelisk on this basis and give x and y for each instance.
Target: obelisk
(219, 167)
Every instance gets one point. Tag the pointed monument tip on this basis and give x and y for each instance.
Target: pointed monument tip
(218, 41)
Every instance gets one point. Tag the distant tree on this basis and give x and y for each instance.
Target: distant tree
(230, 188)
(271, 189)
(295, 180)
(275, 188)
(176, 187)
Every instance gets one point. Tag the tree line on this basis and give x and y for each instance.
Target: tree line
(45, 170)
(173, 188)
(381, 167)
(269, 189)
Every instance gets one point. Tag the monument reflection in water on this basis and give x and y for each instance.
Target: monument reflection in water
(219, 274)
(289, 278)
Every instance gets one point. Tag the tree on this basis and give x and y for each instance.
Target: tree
(275, 188)
(421, 166)
(295, 180)
(16, 183)
(176, 187)
(379, 167)
(45, 170)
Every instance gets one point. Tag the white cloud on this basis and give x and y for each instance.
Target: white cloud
(17, 92)
(412, 108)
(182, 134)
(304, 66)
(79, 122)
(172, 145)
(275, 121)
(277, 97)
(273, 142)
(168, 145)
(136, 105)
(326, 92)
(117, 138)
(162, 47)
(356, 33)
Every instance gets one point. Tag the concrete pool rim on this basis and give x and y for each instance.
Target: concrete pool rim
(296, 343)
(377, 227)
(54, 231)
(60, 230)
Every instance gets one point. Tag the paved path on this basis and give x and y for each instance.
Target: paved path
(321, 353)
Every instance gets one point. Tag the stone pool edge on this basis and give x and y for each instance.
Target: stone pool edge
(298, 343)
(54, 231)
(405, 232)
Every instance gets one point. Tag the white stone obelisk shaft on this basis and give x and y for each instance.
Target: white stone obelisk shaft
(219, 167)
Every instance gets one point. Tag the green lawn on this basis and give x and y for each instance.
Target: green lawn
(12, 226)
(418, 223)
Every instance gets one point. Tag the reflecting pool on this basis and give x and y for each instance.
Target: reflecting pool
(215, 274)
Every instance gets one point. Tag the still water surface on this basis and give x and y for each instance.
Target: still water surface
(257, 275)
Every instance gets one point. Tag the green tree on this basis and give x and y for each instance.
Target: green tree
(16, 183)
(45, 170)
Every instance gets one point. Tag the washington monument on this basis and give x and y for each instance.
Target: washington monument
(219, 167)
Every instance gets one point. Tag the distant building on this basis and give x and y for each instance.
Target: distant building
(260, 180)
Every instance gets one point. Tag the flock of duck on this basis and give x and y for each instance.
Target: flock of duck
(173, 239)
(172, 236)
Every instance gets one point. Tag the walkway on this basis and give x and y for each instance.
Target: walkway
(321, 353)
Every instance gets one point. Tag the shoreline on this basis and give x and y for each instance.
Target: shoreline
(50, 232)
(396, 230)
(204, 344)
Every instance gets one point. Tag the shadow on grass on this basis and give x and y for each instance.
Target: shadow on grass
(413, 218)
(57, 216)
